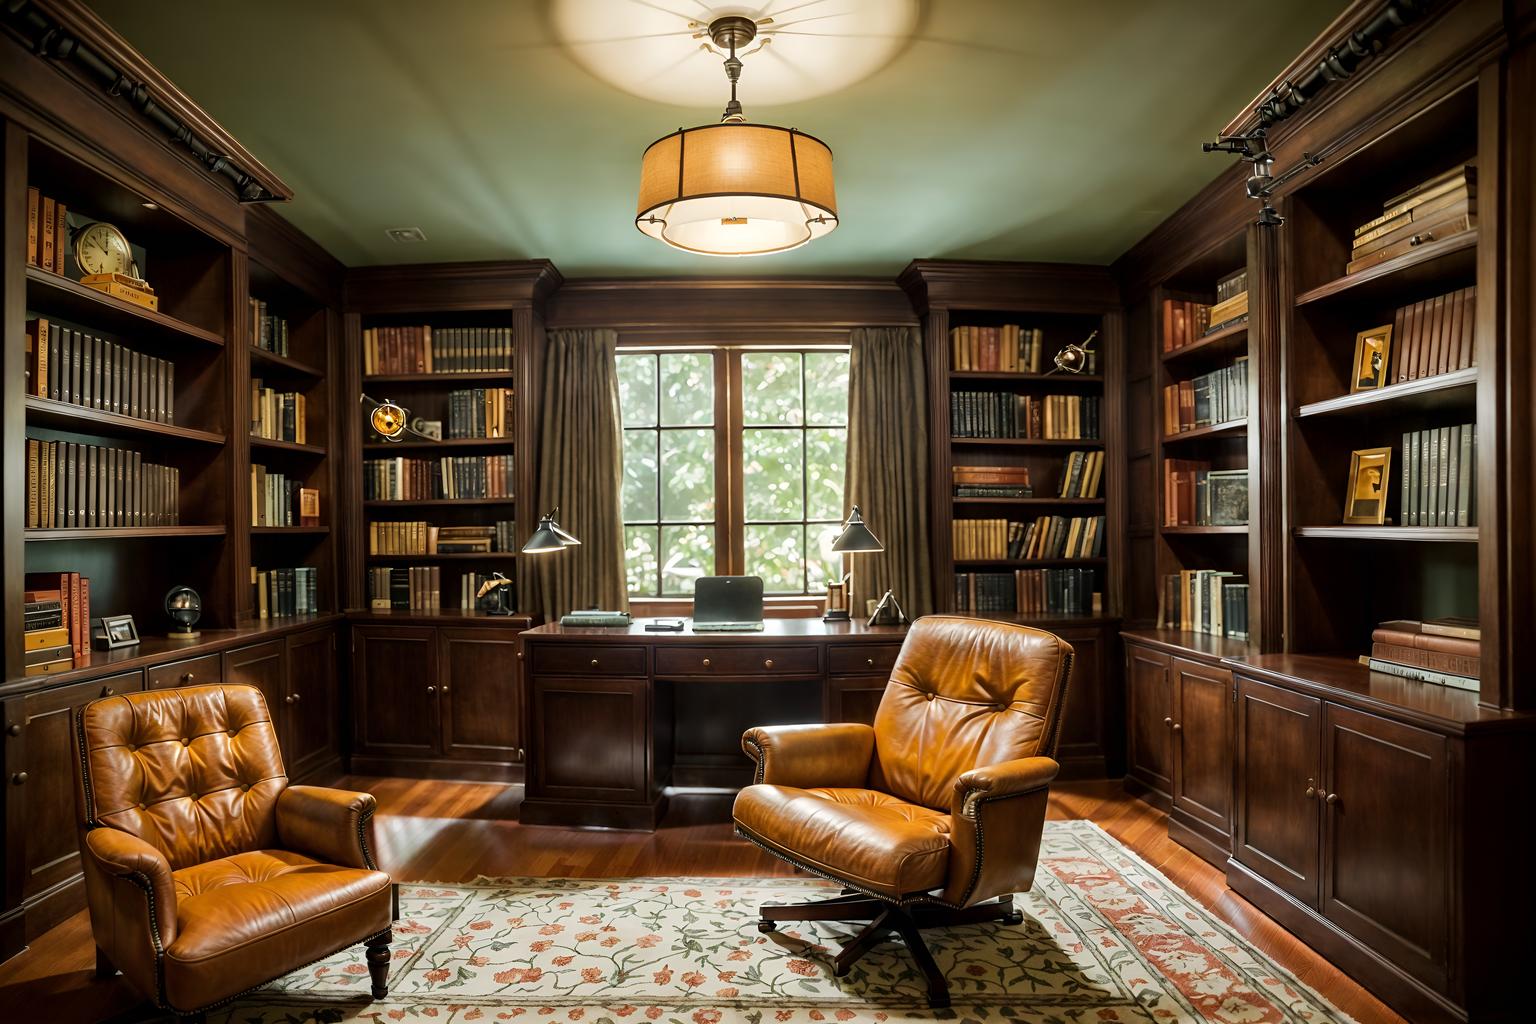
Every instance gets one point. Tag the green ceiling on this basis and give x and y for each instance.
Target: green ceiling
(1006, 129)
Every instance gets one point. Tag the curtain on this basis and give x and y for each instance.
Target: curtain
(887, 475)
(580, 472)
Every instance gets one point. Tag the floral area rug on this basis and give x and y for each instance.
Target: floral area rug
(1105, 938)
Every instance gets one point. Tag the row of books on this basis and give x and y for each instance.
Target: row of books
(69, 365)
(1000, 414)
(278, 415)
(1029, 592)
(1432, 336)
(1205, 601)
(1437, 208)
(268, 331)
(47, 231)
(991, 482)
(453, 476)
(1081, 474)
(1438, 484)
(480, 412)
(56, 620)
(1447, 652)
(277, 500)
(71, 485)
(427, 349)
(1194, 494)
(1220, 396)
(276, 592)
(416, 588)
(1006, 349)
(1045, 537)
(414, 537)
(1186, 321)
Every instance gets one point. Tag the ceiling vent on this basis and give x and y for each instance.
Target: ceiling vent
(406, 234)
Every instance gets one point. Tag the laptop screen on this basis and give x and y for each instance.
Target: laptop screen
(728, 599)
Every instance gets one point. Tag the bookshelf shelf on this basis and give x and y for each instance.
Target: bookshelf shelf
(1027, 378)
(493, 377)
(1029, 502)
(65, 416)
(1230, 341)
(436, 502)
(1204, 531)
(456, 556)
(284, 364)
(1233, 428)
(123, 533)
(290, 531)
(273, 444)
(1427, 394)
(1025, 442)
(61, 296)
(460, 443)
(1412, 534)
(1432, 262)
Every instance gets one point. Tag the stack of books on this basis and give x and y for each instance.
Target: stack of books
(1081, 473)
(1231, 301)
(457, 476)
(276, 592)
(480, 412)
(45, 638)
(68, 365)
(1433, 336)
(1439, 477)
(47, 232)
(1444, 205)
(1028, 592)
(1204, 601)
(456, 540)
(72, 485)
(424, 349)
(992, 482)
(1194, 494)
(1220, 396)
(1447, 652)
(278, 415)
(1002, 415)
(69, 594)
(1006, 349)
(268, 333)
(416, 588)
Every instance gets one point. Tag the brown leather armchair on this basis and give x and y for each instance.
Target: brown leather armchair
(936, 809)
(205, 872)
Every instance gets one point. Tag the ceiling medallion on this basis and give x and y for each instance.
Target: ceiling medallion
(736, 188)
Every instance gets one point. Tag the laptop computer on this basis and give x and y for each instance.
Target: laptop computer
(728, 604)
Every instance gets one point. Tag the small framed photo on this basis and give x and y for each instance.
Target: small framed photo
(428, 428)
(1371, 348)
(114, 631)
(1365, 502)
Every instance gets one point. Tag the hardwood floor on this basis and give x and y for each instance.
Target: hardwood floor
(454, 831)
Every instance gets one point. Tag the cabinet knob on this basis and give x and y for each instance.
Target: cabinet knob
(14, 729)
(297, 697)
(767, 663)
(520, 755)
(431, 689)
(187, 677)
(288, 699)
(1311, 790)
(107, 691)
(20, 778)
(1168, 722)
(1178, 726)
(706, 663)
(445, 687)
(1331, 799)
(870, 662)
(594, 663)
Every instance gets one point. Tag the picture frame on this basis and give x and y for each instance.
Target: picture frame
(112, 632)
(428, 428)
(1369, 369)
(1365, 498)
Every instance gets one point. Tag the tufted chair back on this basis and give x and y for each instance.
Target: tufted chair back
(194, 772)
(966, 693)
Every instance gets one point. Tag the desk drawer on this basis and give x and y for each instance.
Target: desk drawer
(737, 660)
(596, 660)
(189, 672)
(862, 659)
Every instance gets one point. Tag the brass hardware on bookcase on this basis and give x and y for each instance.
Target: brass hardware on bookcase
(19, 779)
(445, 688)
(1311, 791)
(107, 691)
(1331, 799)
(431, 689)
(1178, 726)
(14, 729)
(288, 699)
(594, 663)
(187, 677)
(767, 663)
(706, 663)
(1168, 723)
(870, 662)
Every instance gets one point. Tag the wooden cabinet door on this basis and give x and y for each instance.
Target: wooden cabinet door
(42, 843)
(480, 706)
(1202, 742)
(1386, 823)
(264, 666)
(394, 687)
(593, 739)
(312, 705)
(1279, 787)
(1149, 712)
(1082, 746)
(854, 698)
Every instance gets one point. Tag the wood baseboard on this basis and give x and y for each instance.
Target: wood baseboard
(435, 768)
(1141, 791)
(624, 817)
(1200, 839)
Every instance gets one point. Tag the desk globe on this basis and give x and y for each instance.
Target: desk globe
(185, 607)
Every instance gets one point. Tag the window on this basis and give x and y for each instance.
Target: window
(733, 464)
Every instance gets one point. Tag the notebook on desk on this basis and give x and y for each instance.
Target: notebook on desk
(728, 604)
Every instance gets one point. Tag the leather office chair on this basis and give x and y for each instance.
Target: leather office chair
(936, 809)
(205, 872)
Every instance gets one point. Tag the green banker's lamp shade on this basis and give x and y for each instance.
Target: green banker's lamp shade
(856, 536)
(548, 537)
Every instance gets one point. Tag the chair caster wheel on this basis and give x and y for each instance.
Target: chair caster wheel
(1015, 918)
(765, 926)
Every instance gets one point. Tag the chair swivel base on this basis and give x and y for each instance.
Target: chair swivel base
(884, 918)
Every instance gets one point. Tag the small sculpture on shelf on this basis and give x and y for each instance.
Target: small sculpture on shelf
(185, 607)
(495, 596)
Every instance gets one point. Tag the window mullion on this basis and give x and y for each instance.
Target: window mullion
(728, 484)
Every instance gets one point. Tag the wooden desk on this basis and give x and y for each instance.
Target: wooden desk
(615, 715)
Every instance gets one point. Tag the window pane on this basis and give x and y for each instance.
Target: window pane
(825, 450)
(637, 389)
(824, 563)
(770, 388)
(639, 559)
(826, 388)
(772, 465)
(689, 554)
(777, 554)
(688, 472)
(687, 389)
(639, 475)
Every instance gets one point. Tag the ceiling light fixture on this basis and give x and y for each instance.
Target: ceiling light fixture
(735, 188)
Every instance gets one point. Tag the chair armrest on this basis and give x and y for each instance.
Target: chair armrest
(334, 825)
(837, 754)
(128, 860)
(1010, 778)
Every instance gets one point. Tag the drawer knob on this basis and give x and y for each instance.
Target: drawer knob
(187, 677)
(20, 778)
(431, 689)
(1178, 726)
(1168, 722)
(767, 663)
(1331, 799)
(594, 663)
(706, 663)
(107, 691)
(870, 662)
